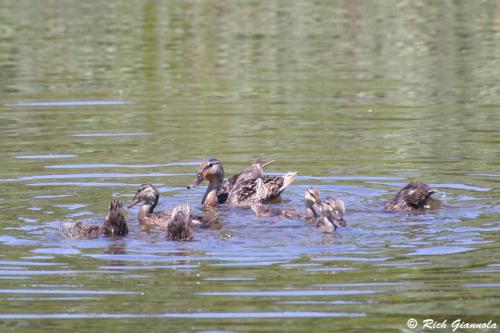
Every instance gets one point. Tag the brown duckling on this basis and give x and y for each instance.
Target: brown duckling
(267, 211)
(179, 227)
(415, 195)
(242, 189)
(149, 195)
(328, 212)
(115, 225)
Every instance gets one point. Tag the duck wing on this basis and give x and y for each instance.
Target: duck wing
(275, 185)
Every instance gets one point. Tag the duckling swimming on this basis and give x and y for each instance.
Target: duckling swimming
(415, 195)
(328, 212)
(179, 227)
(115, 225)
(149, 195)
(241, 190)
(267, 211)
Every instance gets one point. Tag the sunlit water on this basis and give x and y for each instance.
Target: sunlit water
(359, 98)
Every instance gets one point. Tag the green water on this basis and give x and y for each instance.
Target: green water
(358, 97)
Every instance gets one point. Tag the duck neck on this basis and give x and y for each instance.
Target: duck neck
(147, 209)
(213, 188)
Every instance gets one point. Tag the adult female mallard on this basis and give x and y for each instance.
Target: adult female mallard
(415, 195)
(115, 225)
(244, 189)
(149, 195)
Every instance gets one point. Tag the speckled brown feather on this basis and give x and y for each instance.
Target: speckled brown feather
(413, 196)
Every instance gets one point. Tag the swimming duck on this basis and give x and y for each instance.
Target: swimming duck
(267, 211)
(243, 189)
(149, 195)
(179, 226)
(115, 225)
(328, 212)
(415, 195)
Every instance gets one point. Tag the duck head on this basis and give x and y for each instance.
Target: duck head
(333, 209)
(146, 193)
(312, 201)
(210, 169)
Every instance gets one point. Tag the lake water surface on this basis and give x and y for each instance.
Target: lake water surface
(359, 97)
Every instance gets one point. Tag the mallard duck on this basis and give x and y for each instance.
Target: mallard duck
(328, 212)
(149, 195)
(415, 195)
(115, 225)
(243, 189)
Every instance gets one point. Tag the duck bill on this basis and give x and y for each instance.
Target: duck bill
(134, 202)
(197, 181)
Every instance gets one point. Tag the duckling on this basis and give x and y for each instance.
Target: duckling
(179, 227)
(241, 189)
(149, 194)
(328, 212)
(267, 211)
(415, 195)
(115, 225)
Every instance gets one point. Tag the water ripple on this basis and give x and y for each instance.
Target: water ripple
(49, 156)
(288, 293)
(192, 315)
(66, 291)
(69, 103)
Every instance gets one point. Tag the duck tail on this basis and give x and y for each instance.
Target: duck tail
(287, 180)
(263, 165)
(115, 223)
(179, 228)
